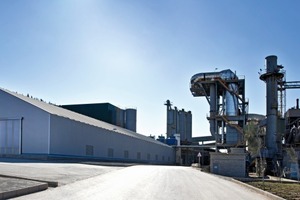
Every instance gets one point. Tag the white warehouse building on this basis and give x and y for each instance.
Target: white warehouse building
(33, 127)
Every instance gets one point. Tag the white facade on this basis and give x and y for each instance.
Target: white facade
(29, 126)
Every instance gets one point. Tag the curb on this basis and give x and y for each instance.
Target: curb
(265, 193)
(49, 183)
(23, 191)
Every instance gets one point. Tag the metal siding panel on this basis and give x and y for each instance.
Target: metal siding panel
(35, 122)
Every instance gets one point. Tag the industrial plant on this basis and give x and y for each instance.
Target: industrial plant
(278, 133)
(239, 142)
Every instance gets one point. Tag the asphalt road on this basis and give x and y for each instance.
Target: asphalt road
(151, 182)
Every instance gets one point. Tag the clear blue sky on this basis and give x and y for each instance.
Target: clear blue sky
(139, 53)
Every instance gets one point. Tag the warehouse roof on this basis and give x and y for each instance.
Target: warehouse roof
(56, 110)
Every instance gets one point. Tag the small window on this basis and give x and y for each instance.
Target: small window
(148, 156)
(110, 153)
(138, 156)
(89, 150)
(156, 157)
(163, 158)
(126, 154)
(169, 159)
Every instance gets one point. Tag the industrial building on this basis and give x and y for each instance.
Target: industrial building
(108, 113)
(103, 131)
(32, 127)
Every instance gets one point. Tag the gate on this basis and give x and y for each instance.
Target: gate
(10, 136)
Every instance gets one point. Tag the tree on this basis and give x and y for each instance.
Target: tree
(255, 146)
(252, 139)
(294, 159)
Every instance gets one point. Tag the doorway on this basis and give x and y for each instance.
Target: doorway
(10, 136)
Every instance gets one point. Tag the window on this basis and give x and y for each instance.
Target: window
(110, 153)
(126, 154)
(138, 155)
(148, 156)
(89, 150)
(156, 157)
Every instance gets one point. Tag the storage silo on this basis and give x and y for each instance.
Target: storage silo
(182, 125)
(188, 125)
(130, 119)
(119, 117)
(172, 119)
(185, 125)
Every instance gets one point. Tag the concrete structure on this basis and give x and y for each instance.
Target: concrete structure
(29, 126)
(232, 164)
(179, 122)
(108, 113)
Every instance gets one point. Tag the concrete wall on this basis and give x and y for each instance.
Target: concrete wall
(232, 164)
(35, 123)
(69, 137)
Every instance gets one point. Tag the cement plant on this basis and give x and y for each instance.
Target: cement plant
(240, 142)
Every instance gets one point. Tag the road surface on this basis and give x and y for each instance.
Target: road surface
(151, 182)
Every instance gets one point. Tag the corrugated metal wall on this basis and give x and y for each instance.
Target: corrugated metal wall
(69, 137)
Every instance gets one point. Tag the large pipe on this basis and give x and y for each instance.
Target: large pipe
(297, 103)
(231, 101)
(213, 109)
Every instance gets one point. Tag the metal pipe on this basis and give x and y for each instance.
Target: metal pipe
(213, 102)
(231, 100)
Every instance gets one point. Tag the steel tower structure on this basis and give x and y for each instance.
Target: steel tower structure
(225, 93)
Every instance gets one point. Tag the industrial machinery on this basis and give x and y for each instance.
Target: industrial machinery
(225, 93)
(280, 125)
(292, 123)
(278, 132)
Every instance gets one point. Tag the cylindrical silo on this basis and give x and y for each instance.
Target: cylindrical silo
(131, 119)
(171, 122)
(189, 125)
(182, 125)
(119, 117)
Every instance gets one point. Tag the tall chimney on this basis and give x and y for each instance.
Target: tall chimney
(297, 103)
